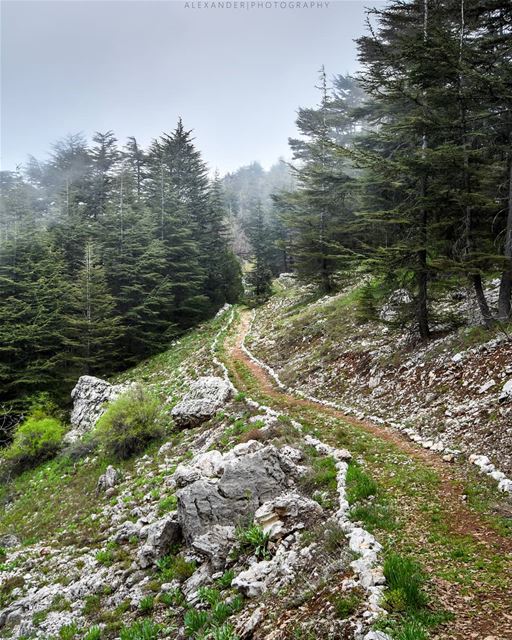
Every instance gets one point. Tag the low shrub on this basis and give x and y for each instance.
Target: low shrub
(69, 631)
(146, 605)
(105, 557)
(175, 568)
(35, 440)
(225, 632)
(131, 423)
(94, 633)
(194, 621)
(226, 579)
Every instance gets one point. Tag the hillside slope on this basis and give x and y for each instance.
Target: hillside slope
(453, 388)
(277, 518)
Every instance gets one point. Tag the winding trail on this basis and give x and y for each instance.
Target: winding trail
(480, 614)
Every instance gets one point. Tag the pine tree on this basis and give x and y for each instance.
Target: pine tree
(32, 324)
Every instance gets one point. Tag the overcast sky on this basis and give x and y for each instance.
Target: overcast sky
(236, 76)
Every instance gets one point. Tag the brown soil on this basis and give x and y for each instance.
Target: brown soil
(481, 616)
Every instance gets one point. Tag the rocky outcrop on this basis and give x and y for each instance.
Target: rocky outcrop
(250, 475)
(206, 396)
(161, 536)
(90, 397)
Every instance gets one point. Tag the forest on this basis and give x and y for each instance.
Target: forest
(108, 252)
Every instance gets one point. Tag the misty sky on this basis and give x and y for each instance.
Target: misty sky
(236, 76)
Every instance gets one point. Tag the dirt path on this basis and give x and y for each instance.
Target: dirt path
(480, 615)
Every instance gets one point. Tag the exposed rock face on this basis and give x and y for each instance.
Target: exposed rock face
(161, 535)
(250, 475)
(90, 396)
(206, 396)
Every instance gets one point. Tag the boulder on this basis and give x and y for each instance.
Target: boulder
(286, 514)
(90, 396)
(161, 536)
(251, 474)
(216, 545)
(108, 480)
(206, 396)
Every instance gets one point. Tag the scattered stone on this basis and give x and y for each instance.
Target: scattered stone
(486, 386)
(9, 541)
(128, 530)
(506, 392)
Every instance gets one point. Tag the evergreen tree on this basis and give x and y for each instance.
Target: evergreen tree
(320, 212)
(94, 325)
(260, 276)
(223, 277)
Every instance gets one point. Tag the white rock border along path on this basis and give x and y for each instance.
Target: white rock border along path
(367, 568)
(482, 462)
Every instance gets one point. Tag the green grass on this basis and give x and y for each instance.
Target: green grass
(145, 630)
(404, 584)
(175, 567)
(321, 476)
(347, 605)
(359, 484)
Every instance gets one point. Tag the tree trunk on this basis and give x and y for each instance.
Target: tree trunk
(422, 272)
(422, 308)
(476, 281)
(506, 276)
